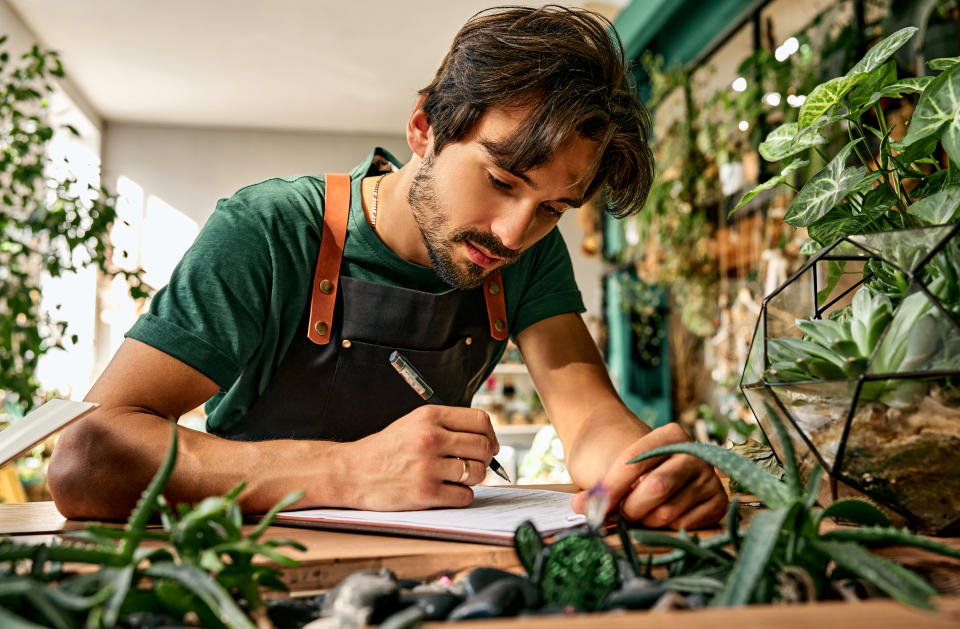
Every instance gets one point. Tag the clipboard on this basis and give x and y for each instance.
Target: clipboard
(38, 424)
(492, 518)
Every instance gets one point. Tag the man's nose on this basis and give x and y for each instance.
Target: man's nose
(512, 224)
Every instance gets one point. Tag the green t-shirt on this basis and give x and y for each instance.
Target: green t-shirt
(235, 300)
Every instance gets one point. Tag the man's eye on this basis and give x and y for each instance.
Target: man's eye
(503, 185)
(551, 211)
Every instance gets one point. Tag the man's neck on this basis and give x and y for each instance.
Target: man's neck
(396, 226)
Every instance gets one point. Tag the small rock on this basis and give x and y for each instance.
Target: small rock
(635, 594)
(291, 613)
(407, 618)
(669, 600)
(506, 597)
(436, 605)
(479, 578)
(363, 598)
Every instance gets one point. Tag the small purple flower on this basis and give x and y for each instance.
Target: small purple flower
(597, 505)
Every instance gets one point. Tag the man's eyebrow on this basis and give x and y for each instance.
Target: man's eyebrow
(500, 161)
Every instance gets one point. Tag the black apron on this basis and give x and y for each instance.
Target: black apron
(335, 383)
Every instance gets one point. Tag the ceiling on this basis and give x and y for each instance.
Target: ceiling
(318, 65)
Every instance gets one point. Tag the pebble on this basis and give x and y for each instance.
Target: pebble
(363, 598)
(505, 597)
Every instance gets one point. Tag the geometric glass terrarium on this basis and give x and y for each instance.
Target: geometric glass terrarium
(859, 355)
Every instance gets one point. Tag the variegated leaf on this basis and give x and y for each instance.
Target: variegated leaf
(770, 183)
(943, 63)
(938, 208)
(783, 142)
(826, 96)
(825, 189)
(910, 85)
(937, 106)
(951, 137)
(883, 50)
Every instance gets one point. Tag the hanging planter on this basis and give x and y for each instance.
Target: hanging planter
(859, 356)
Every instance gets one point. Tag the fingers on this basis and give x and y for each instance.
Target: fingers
(454, 431)
(466, 420)
(462, 470)
(440, 494)
(622, 477)
(667, 484)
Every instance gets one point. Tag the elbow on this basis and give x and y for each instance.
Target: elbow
(73, 473)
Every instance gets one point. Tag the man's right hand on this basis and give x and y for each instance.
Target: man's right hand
(415, 462)
(103, 461)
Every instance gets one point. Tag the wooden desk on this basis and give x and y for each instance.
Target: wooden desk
(330, 556)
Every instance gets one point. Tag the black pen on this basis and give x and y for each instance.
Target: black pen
(418, 384)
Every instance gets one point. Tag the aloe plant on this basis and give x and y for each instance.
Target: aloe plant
(200, 563)
(784, 545)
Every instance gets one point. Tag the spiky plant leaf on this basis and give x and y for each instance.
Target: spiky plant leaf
(887, 575)
(890, 535)
(206, 588)
(120, 586)
(685, 544)
(753, 559)
(857, 511)
(137, 523)
(791, 473)
(751, 476)
(9, 620)
(282, 504)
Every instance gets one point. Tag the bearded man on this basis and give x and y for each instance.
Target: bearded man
(284, 312)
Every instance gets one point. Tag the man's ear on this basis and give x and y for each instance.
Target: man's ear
(418, 129)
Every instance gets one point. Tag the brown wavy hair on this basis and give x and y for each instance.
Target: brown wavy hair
(567, 65)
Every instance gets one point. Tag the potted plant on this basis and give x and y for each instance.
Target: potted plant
(859, 352)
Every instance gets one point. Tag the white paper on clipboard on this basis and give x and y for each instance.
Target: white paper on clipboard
(38, 424)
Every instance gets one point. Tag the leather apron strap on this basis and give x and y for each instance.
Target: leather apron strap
(326, 277)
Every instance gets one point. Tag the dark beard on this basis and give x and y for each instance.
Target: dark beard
(433, 229)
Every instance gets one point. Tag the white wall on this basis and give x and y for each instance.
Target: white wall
(191, 168)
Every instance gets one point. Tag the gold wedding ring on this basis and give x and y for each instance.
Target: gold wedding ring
(466, 470)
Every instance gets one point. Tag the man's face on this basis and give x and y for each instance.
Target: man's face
(475, 216)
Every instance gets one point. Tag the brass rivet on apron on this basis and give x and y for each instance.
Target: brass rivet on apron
(345, 343)
(320, 327)
(494, 288)
(325, 286)
(469, 340)
(498, 325)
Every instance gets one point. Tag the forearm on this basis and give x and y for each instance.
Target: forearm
(99, 471)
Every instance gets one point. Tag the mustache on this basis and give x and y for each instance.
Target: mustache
(489, 242)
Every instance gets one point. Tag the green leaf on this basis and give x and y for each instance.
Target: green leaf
(937, 106)
(951, 138)
(826, 96)
(685, 544)
(938, 208)
(890, 535)
(910, 85)
(206, 588)
(770, 183)
(282, 504)
(887, 575)
(11, 621)
(857, 511)
(825, 189)
(717, 541)
(782, 142)
(812, 489)
(791, 473)
(883, 50)
(754, 479)
(120, 584)
(753, 559)
(943, 63)
(137, 523)
(868, 92)
(628, 548)
(841, 221)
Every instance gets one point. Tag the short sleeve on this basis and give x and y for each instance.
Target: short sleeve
(547, 286)
(212, 314)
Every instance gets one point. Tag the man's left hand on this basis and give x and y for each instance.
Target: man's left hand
(677, 491)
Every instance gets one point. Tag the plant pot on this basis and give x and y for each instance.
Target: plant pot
(889, 434)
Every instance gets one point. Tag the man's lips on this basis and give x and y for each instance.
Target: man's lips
(478, 256)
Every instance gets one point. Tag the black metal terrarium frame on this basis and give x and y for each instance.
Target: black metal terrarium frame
(760, 390)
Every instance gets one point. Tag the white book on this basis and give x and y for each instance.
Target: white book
(38, 424)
